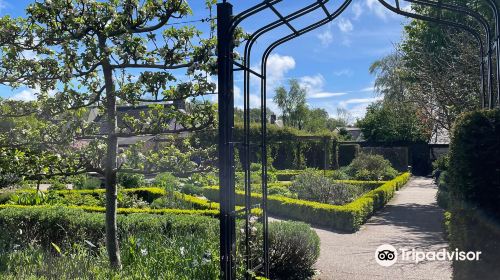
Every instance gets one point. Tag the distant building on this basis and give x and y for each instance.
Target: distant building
(135, 112)
(354, 133)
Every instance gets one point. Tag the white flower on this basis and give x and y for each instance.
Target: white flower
(90, 243)
(183, 251)
(144, 252)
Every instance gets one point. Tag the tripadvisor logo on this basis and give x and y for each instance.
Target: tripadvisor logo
(386, 255)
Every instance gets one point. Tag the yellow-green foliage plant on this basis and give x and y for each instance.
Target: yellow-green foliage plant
(348, 217)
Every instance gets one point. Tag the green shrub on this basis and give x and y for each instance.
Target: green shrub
(129, 201)
(475, 161)
(191, 189)
(167, 181)
(65, 226)
(280, 191)
(74, 198)
(129, 181)
(28, 198)
(337, 175)
(441, 163)
(371, 167)
(255, 167)
(312, 185)
(85, 182)
(474, 192)
(57, 186)
(294, 248)
(170, 201)
(443, 193)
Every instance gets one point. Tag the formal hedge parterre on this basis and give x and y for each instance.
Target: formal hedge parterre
(347, 217)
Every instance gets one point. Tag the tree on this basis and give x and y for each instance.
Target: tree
(435, 68)
(292, 104)
(255, 115)
(98, 54)
(386, 122)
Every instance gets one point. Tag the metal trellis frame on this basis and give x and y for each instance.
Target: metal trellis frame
(226, 26)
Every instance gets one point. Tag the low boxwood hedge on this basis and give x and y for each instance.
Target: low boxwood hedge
(201, 206)
(65, 225)
(347, 217)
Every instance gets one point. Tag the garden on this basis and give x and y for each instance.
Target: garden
(168, 226)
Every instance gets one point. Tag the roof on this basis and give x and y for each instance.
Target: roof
(131, 111)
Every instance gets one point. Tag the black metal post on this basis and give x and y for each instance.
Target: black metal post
(496, 15)
(225, 144)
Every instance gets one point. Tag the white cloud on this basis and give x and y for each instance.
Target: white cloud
(277, 67)
(325, 37)
(375, 7)
(357, 10)
(343, 72)
(314, 86)
(25, 95)
(30, 94)
(345, 25)
(359, 111)
(368, 89)
(319, 95)
(359, 101)
(3, 5)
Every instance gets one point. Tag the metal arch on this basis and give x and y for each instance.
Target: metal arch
(466, 11)
(226, 28)
(283, 20)
(496, 14)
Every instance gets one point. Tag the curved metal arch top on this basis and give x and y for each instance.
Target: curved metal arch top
(226, 29)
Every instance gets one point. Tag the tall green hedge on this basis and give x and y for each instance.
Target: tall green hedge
(290, 148)
(474, 193)
(475, 161)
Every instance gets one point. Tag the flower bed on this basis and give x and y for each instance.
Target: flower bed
(347, 217)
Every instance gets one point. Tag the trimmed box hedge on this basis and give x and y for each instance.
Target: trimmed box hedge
(201, 206)
(66, 226)
(347, 217)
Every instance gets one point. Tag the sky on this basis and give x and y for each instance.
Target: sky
(332, 62)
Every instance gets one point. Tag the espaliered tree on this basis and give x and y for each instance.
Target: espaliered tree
(88, 55)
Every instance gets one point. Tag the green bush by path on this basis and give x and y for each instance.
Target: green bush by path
(474, 163)
(347, 217)
(472, 191)
(292, 243)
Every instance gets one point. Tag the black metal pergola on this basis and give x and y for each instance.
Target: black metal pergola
(488, 42)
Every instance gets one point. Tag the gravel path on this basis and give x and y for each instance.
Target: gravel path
(410, 220)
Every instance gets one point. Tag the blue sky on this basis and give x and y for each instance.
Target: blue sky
(332, 61)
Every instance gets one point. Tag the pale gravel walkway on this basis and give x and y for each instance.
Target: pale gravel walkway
(411, 219)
